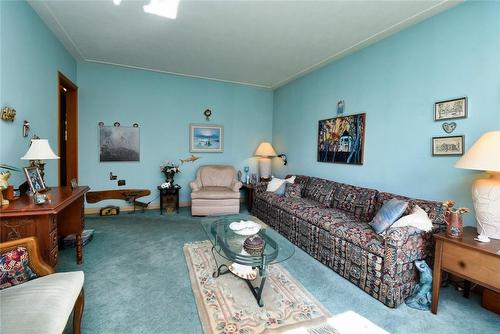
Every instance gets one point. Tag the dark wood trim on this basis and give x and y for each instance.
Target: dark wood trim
(72, 127)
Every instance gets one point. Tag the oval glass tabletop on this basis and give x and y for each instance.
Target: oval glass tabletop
(229, 245)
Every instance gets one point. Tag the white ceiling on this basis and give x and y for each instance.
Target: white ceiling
(261, 43)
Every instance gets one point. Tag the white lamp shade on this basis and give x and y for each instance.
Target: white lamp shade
(265, 149)
(40, 150)
(484, 154)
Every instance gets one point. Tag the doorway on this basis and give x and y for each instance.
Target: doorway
(68, 130)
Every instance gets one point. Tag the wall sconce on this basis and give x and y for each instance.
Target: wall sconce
(283, 157)
(26, 128)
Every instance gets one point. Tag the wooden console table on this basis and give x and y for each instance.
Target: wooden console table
(249, 190)
(466, 258)
(62, 216)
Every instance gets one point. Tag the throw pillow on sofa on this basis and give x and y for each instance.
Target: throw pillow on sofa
(275, 184)
(418, 218)
(293, 190)
(388, 214)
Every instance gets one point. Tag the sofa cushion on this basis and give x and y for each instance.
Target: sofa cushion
(356, 200)
(433, 208)
(42, 305)
(295, 206)
(320, 190)
(294, 190)
(325, 217)
(270, 197)
(14, 267)
(215, 193)
(359, 234)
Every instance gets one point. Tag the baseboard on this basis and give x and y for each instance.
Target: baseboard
(128, 208)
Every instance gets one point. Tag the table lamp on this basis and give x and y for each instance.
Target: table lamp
(38, 151)
(485, 155)
(264, 151)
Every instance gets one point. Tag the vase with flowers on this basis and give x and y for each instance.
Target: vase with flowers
(170, 169)
(454, 220)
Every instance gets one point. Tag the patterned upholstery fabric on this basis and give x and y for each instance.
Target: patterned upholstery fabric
(14, 268)
(357, 200)
(320, 190)
(293, 190)
(339, 237)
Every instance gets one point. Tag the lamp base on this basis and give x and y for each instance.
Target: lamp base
(482, 238)
(265, 168)
(486, 199)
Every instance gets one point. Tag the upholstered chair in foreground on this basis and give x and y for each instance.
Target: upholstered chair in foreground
(34, 299)
(216, 191)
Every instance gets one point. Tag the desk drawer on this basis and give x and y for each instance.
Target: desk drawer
(470, 263)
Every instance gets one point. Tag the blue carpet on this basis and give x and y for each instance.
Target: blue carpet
(136, 281)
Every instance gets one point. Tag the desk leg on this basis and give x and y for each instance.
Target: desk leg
(79, 248)
(436, 280)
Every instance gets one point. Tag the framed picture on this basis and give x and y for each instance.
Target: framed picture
(118, 143)
(34, 179)
(448, 146)
(342, 139)
(206, 138)
(450, 109)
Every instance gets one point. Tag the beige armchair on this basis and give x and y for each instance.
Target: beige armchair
(216, 191)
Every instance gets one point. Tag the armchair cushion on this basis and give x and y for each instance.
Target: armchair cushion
(14, 267)
(42, 305)
(215, 193)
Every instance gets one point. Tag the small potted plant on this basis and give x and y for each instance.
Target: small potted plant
(170, 169)
(454, 220)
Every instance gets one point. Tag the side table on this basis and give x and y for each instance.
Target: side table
(249, 189)
(466, 258)
(170, 197)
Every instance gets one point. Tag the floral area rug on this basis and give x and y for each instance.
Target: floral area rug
(227, 306)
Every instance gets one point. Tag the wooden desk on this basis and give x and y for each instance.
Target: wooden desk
(466, 258)
(62, 216)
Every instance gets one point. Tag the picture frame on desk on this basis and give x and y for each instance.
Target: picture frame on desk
(34, 179)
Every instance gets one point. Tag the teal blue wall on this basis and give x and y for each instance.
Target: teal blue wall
(396, 82)
(164, 106)
(30, 58)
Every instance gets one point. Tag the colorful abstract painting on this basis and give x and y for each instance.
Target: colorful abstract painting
(341, 139)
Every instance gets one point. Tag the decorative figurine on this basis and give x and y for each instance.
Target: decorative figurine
(421, 298)
(4, 184)
(192, 158)
(239, 175)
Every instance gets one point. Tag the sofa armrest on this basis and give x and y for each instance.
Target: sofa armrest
(195, 185)
(260, 187)
(404, 245)
(35, 261)
(236, 185)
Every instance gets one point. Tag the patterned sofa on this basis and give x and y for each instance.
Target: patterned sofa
(329, 221)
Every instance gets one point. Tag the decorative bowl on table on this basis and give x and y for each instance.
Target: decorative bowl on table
(243, 227)
(254, 245)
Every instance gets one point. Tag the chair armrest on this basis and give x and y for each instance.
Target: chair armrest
(236, 185)
(404, 245)
(195, 185)
(36, 263)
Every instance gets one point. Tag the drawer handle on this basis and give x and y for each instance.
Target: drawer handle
(461, 264)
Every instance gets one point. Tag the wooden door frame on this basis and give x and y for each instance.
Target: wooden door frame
(72, 121)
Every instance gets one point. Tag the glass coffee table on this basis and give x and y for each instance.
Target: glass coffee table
(229, 245)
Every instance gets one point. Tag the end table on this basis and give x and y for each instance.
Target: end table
(249, 189)
(170, 197)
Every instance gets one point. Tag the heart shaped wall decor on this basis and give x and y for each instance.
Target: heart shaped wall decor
(449, 127)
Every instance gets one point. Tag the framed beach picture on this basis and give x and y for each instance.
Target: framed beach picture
(118, 143)
(448, 146)
(450, 109)
(206, 138)
(34, 179)
(342, 139)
